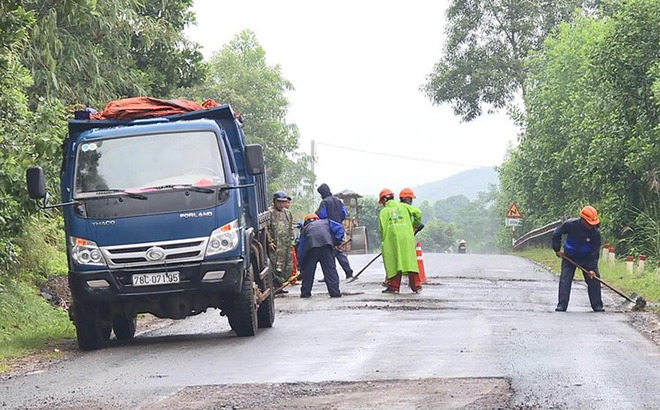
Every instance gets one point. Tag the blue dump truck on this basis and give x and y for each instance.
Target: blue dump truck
(165, 216)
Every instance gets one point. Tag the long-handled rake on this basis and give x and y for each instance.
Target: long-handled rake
(634, 301)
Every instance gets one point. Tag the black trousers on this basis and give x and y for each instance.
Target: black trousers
(343, 262)
(326, 257)
(566, 280)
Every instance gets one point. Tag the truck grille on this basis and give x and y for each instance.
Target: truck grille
(183, 250)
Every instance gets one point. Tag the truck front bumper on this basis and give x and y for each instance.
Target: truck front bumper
(217, 277)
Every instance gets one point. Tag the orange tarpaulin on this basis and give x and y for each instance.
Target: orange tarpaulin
(147, 107)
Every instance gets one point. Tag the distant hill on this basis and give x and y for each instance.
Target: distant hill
(467, 183)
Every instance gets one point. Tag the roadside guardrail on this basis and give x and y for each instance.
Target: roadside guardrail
(541, 237)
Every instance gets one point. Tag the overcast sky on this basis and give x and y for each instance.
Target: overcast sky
(357, 67)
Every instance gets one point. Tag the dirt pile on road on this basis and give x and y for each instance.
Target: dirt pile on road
(452, 393)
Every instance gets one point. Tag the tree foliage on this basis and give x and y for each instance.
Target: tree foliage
(592, 131)
(93, 51)
(487, 44)
(439, 236)
(162, 53)
(369, 210)
(240, 75)
(26, 136)
(58, 52)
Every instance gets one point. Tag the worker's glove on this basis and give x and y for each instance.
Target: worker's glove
(419, 228)
(272, 247)
(559, 254)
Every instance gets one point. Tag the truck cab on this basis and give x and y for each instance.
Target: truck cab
(166, 216)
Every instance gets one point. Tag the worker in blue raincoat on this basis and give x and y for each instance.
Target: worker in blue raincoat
(318, 240)
(582, 246)
(333, 208)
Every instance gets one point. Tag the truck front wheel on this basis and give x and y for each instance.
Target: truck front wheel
(266, 312)
(91, 331)
(242, 314)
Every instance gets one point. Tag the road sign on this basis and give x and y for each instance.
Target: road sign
(513, 221)
(513, 212)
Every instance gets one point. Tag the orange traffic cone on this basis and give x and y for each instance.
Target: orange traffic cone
(420, 264)
(295, 266)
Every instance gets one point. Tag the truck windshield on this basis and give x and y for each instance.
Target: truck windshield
(140, 162)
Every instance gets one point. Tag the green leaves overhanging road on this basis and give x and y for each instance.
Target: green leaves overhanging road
(591, 130)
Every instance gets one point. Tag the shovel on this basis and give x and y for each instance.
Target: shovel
(419, 228)
(637, 302)
(365, 267)
(287, 283)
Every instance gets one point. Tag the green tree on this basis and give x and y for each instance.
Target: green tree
(298, 181)
(439, 236)
(487, 43)
(369, 210)
(93, 51)
(551, 173)
(239, 75)
(592, 131)
(428, 213)
(447, 209)
(26, 137)
(161, 50)
(478, 223)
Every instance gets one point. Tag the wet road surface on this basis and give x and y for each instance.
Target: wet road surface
(482, 334)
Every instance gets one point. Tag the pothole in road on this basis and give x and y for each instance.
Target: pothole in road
(494, 279)
(402, 300)
(433, 393)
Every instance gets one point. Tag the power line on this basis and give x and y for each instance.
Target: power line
(399, 156)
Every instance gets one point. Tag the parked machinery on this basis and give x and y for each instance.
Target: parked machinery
(357, 233)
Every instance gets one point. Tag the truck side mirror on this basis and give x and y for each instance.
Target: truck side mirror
(254, 159)
(36, 183)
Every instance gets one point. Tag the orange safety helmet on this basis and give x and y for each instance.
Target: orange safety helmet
(590, 215)
(384, 193)
(311, 216)
(407, 193)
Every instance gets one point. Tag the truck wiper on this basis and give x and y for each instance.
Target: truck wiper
(122, 191)
(187, 186)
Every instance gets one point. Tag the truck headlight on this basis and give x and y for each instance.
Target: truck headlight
(223, 239)
(86, 252)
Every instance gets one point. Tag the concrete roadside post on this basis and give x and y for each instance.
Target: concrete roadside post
(606, 251)
(630, 261)
(641, 265)
(611, 257)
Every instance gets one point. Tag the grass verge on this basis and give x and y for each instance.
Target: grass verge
(645, 284)
(27, 320)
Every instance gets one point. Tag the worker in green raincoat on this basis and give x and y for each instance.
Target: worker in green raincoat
(406, 196)
(398, 243)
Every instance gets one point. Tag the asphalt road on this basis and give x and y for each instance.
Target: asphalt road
(482, 334)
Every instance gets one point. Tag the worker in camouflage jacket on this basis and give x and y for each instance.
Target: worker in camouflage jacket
(280, 239)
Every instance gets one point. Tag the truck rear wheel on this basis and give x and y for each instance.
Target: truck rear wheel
(91, 331)
(243, 312)
(124, 327)
(266, 312)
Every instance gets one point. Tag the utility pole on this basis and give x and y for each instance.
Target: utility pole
(313, 173)
(313, 155)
